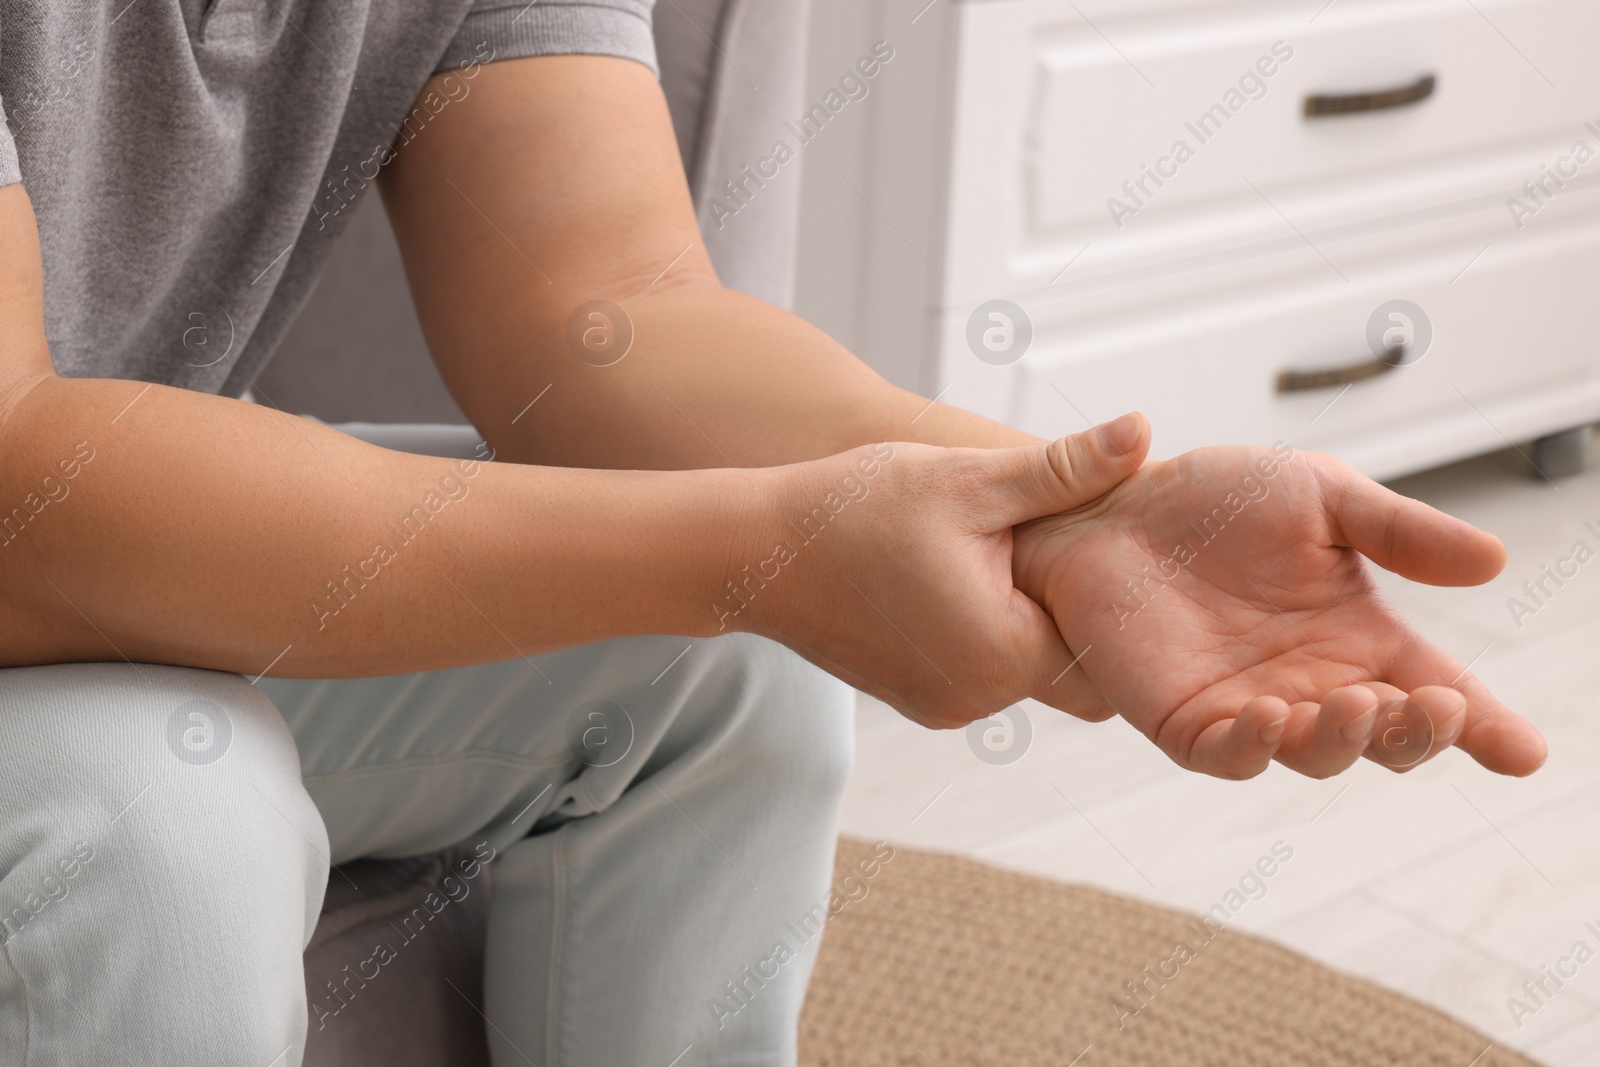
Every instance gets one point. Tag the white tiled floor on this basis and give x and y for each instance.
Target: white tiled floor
(1448, 884)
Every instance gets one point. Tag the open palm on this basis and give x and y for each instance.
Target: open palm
(1222, 603)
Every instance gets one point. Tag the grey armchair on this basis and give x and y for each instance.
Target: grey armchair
(733, 71)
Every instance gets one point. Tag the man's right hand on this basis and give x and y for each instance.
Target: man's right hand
(1230, 603)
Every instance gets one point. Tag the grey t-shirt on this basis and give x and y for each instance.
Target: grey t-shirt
(190, 162)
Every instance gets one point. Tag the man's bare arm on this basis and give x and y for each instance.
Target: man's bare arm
(555, 181)
(162, 525)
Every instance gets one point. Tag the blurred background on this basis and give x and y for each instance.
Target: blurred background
(1151, 184)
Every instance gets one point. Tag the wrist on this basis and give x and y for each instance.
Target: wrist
(785, 523)
(732, 593)
(660, 547)
(914, 418)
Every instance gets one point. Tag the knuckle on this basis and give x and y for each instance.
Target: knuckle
(1063, 465)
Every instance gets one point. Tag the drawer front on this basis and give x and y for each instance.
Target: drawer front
(1512, 356)
(1148, 137)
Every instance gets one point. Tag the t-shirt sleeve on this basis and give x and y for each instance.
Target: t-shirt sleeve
(10, 172)
(498, 29)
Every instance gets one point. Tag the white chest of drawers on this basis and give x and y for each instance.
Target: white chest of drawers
(1159, 188)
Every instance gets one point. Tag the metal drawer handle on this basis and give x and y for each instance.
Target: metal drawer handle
(1382, 100)
(1293, 381)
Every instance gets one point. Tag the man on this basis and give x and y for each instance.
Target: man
(657, 806)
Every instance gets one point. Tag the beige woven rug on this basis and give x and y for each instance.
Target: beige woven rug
(942, 962)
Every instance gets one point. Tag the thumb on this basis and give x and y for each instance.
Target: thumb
(1410, 538)
(1069, 472)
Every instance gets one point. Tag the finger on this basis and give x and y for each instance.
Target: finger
(1069, 688)
(1241, 747)
(1067, 473)
(1060, 680)
(1494, 735)
(1410, 538)
(1079, 698)
(1324, 739)
(1412, 730)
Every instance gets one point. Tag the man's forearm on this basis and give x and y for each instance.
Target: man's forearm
(160, 525)
(715, 378)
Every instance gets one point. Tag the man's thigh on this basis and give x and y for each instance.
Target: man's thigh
(407, 764)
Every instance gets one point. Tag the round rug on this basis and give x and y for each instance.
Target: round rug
(935, 961)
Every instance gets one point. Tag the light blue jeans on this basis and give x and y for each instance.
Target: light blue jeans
(660, 809)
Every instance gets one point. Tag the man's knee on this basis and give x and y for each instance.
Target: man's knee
(779, 719)
(155, 816)
(120, 746)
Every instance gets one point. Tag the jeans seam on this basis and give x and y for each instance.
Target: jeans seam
(467, 756)
(27, 1005)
